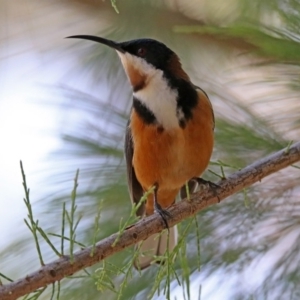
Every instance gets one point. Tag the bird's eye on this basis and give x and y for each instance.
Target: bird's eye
(141, 52)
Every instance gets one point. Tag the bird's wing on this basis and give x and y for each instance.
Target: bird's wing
(135, 189)
(201, 94)
(192, 184)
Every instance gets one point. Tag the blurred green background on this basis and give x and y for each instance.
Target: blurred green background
(64, 106)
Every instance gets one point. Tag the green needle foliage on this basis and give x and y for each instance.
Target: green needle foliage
(32, 224)
(35, 229)
(5, 277)
(114, 5)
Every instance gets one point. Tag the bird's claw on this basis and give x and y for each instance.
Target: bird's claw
(213, 186)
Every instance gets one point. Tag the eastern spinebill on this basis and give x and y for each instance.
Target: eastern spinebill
(169, 137)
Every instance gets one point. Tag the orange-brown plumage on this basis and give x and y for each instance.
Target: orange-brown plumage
(169, 158)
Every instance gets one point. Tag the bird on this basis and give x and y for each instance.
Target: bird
(169, 136)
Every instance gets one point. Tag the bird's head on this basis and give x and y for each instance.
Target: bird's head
(142, 59)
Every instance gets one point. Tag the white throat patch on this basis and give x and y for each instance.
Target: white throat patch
(156, 94)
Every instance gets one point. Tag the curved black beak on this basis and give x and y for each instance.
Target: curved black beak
(100, 40)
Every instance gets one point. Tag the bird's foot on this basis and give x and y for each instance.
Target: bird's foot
(163, 213)
(213, 186)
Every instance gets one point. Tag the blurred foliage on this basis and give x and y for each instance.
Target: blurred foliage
(261, 40)
(246, 57)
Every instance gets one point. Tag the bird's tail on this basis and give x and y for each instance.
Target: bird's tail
(155, 245)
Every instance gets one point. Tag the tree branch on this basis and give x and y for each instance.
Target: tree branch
(58, 269)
